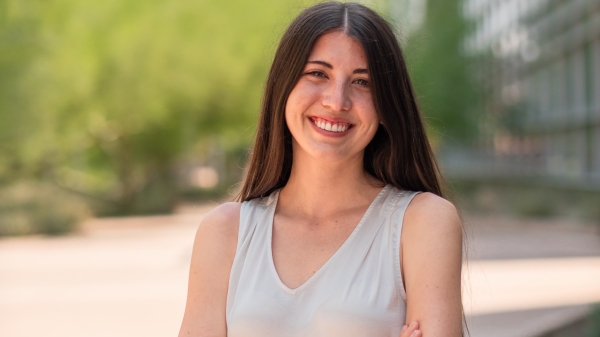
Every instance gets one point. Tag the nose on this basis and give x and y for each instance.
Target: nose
(336, 97)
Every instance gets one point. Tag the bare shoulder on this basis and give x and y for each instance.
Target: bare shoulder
(217, 234)
(216, 238)
(212, 258)
(222, 222)
(428, 214)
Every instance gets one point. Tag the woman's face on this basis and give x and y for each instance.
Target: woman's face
(330, 111)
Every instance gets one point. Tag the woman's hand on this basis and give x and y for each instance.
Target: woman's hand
(411, 330)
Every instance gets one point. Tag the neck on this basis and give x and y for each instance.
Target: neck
(317, 188)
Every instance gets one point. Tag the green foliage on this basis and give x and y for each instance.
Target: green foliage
(440, 72)
(110, 98)
(19, 43)
(594, 322)
(38, 208)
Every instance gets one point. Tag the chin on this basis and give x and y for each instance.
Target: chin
(331, 153)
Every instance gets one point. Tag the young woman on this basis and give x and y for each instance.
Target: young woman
(342, 229)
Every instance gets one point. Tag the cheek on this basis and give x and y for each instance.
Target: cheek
(368, 117)
(293, 111)
(292, 104)
(301, 98)
(367, 107)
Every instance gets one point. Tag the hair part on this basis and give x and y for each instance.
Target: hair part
(345, 27)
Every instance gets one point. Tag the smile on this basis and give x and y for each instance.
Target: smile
(330, 126)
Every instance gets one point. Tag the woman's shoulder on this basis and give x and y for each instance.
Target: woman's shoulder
(427, 204)
(223, 213)
(220, 225)
(212, 257)
(431, 217)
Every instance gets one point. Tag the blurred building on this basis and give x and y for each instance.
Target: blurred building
(538, 63)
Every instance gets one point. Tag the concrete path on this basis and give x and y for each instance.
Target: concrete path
(120, 277)
(509, 285)
(128, 277)
(528, 323)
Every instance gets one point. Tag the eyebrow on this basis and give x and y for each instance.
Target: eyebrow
(328, 65)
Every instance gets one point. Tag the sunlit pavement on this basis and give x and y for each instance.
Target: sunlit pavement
(128, 277)
(507, 285)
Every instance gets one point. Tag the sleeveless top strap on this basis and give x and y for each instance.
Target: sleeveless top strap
(251, 231)
(394, 210)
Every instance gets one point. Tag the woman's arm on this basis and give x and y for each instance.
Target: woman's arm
(212, 258)
(431, 265)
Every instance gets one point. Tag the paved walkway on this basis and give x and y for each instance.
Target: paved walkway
(128, 277)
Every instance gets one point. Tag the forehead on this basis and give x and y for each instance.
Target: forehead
(337, 47)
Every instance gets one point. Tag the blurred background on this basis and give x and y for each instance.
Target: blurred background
(123, 122)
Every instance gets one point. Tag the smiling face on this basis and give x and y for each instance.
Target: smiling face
(330, 112)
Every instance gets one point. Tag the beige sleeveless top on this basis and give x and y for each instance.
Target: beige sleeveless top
(357, 292)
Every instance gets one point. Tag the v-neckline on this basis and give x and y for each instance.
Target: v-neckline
(270, 221)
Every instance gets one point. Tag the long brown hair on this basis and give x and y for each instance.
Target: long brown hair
(399, 153)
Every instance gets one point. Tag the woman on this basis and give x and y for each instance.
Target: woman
(342, 230)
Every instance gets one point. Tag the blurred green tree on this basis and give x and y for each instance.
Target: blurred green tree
(441, 72)
(19, 43)
(109, 98)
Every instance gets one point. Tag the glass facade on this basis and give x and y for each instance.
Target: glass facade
(538, 62)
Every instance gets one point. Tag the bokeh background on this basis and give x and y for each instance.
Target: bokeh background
(123, 122)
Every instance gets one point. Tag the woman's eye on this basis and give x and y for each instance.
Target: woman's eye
(362, 82)
(317, 73)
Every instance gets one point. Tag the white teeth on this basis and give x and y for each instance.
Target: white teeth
(331, 127)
